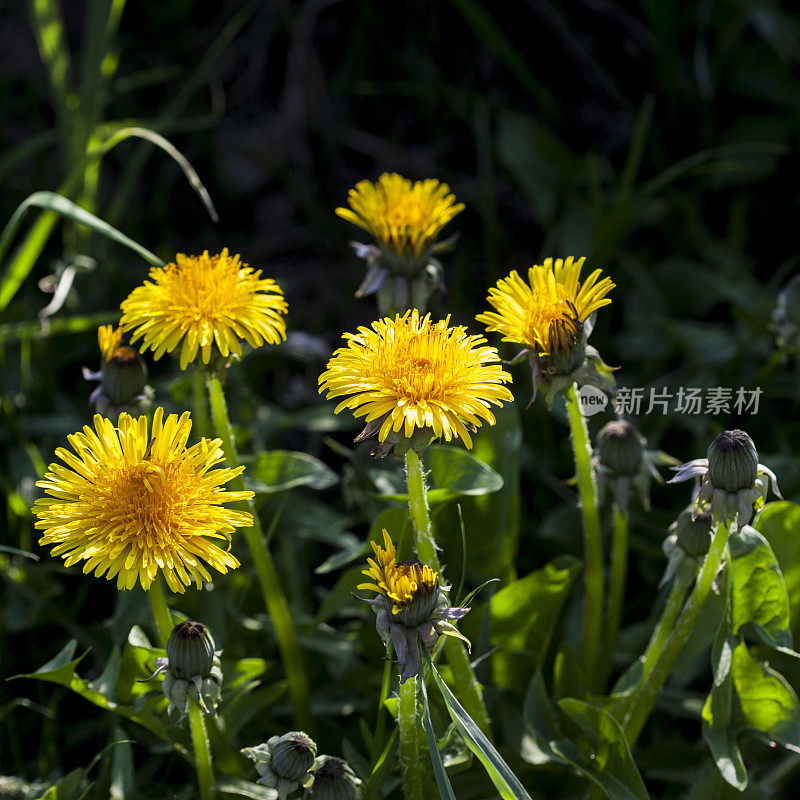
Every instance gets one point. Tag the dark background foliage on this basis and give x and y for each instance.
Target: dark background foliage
(659, 140)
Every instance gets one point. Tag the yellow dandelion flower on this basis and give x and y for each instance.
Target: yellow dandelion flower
(109, 338)
(198, 302)
(404, 218)
(413, 373)
(129, 503)
(402, 582)
(548, 311)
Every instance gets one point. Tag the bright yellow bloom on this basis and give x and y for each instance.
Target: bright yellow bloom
(546, 311)
(401, 583)
(417, 374)
(129, 503)
(109, 338)
(405, 218)
(201, 301)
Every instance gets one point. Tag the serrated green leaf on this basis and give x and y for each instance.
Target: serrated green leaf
(279, 470)
(767, 702)
(242, 788)
(541, 722)
(759, 595)
(604, 757)
(779, 524)
(451, 472)
(523, 616)
(718, 728)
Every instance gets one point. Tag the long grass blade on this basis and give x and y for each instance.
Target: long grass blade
(442, 781)
(159, 141)
(55, 204)
(505, 781)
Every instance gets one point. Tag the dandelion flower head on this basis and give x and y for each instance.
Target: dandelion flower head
(413, 373)
(129, 503)
(548, 310)
(404, 218)
(199, 302)
(401, 582)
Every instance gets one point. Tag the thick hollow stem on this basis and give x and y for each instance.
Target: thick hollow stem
(469, 690)
(664, 661)
(593, 546)
(409, 724)
(616, 590)
(202, 751)
(161, 614)
(268, 580)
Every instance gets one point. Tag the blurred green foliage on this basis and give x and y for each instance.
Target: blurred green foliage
(660, 141)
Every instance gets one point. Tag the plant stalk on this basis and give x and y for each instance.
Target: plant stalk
(160, 609)
(269, 582)
(468, 689)
(202, 751)
(593, 546)
(409, 725)
(664, 661)
(616, 590)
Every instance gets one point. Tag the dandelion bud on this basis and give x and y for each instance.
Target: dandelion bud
(293, 755)
(693, 532)
(732, 461)
(334, 779)
(190, 650)
(567, 348)
(285, 762)
(124, 376)
(620, 448)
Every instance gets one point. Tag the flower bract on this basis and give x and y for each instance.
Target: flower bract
(204, 303)
(409, 373)
(129, 502)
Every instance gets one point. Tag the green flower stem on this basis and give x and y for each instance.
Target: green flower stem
(380, 721)
(468, 689)
(664, 661)
(672, 608)
(202, 751)
(409, 726)
(593, 546)
(161, 613)
(616, 589)
(268, 580)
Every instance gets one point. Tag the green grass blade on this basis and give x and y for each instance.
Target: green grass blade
(54, 204)
(48, 27)
(505, 781)
(442, 781)
(159, 141)
(130, 177)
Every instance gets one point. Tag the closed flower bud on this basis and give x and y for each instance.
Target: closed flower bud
(190, 651)
(620, 448)
(333, 780)
(732, 461)
(293, 755)
(124, 376)
(693, 532)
